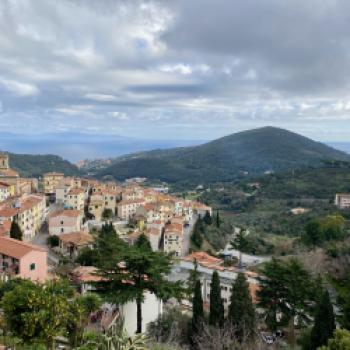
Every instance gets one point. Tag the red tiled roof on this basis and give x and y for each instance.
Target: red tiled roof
(5, 227)
(17, 249)
(86, 274)
(78, 238)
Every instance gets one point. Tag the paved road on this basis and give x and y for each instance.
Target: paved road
(247, 259)
(40, 239)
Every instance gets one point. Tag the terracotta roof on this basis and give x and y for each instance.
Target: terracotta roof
(9, 173)
(75, 191)
(152, 231)
(86, 274)
(8, 212)
(78, 238)
(5, 227)
(29, 202)
(17, 249)
(175, 227)
(203, 259)
(66, 212)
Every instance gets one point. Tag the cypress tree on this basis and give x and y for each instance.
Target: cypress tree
(217, 221)
(193, 277)
(15, 231)
(216, 315)
(324, 325)
(197, 311)
(241, 313)
(207, 218)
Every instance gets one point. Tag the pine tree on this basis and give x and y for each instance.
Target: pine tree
(15, 231)
(197, 311)
(216, 312)
(324, 322)
(241, 313)
(128, 272)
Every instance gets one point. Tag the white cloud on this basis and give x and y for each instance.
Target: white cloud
(19, 88)
(119, 115)
(100, 97)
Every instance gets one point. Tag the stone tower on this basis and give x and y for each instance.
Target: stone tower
(4, 161)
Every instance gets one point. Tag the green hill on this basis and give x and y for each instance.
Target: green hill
(254, 151)
(35, 165)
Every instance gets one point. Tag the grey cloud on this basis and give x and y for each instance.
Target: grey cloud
(171, 65)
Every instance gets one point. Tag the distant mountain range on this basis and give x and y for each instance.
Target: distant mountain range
(77, 146)
(250, 152)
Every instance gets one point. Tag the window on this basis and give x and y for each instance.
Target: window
(61, 222)
(62, 230)
(32, 267)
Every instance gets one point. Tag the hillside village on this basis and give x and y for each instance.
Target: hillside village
(57, 220)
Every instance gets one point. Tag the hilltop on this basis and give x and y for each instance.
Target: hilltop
(250, 152)
(29, 165)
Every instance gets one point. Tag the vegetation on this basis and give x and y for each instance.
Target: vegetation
(197, 312)
(130, 271)
(287, 290)
(107, 214)
(216, 312)
(53, 241)
(15, 231)
(225, 159)
(329, 228)
(241, 313)
(341, 341)
(324, 324)
(37, 313)
(36, 165)
(86, 257)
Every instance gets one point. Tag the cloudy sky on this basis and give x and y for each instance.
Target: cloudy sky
(179, 69)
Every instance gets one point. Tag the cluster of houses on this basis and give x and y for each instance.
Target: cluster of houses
(69, 207)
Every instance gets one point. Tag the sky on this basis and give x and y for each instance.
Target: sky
(175, 69)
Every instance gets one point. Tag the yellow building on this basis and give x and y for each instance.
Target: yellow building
(28, 211)
(51, 181)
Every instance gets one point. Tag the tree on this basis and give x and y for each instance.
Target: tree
(128, 272)
(207, 218)
(313, 233)
(86, 257)
(197, 234)
(340, 341)
(324, 229)
(15, 231)
(143, 242)
(193, 277)
(240, 243)
(80, 310)
(53, 241)
(38, 313)
(324, 322)
(241, 313)
(218, 220)
(286, 288)
(216, 313)
(107, 214)
(197, 311)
